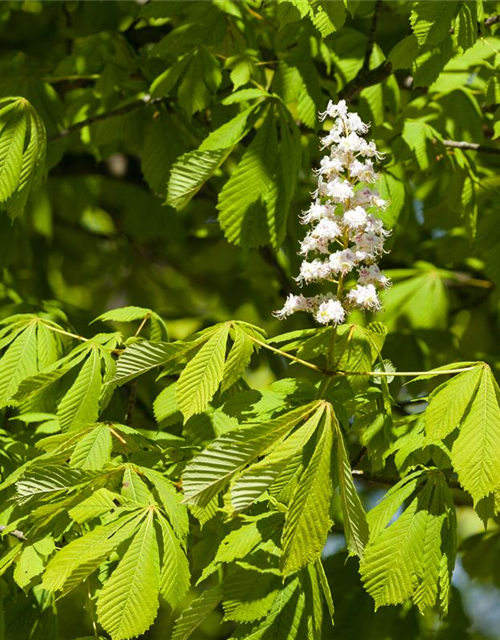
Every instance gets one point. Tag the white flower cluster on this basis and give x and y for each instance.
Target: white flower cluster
(342, 217)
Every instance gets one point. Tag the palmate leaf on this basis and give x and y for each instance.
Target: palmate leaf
(355, 523)
(143, 356)
(22, 151)
(196, 612)
(431, 21)
(248, 595)
(448, 404)
(47, 480)
(80, 405)
(414, 556)
(238, 359)
(12, 137)
(258, 477)
(287, 619)
(170, 499)
(211, 470)
(242, 201)
(175, 577)
(308, 521)
(202, 376)
(93, 451)
(19, 362)
(128, 602)
(190, 172)
(475, 453)
(81, 557)
(130, 314)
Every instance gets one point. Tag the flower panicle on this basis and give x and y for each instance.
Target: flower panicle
(345, 237)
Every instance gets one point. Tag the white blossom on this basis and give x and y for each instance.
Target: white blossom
(334, 110)
(345, 229)
(339, 190)
(330, 311)
(293, 304)
(355, 218)
(372, 275)
(364, 296)
(342, 261)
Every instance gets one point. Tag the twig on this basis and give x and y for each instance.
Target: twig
(66, 333)
(470, 146)
(377, 374)
(371, 37)
(147, 101)
(16, 533)
(284, 354)
(365, 79)
(491, 20)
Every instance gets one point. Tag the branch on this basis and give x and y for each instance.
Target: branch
(377, 374)
(491, 20)
(470, 146)
(371, 37)
(16, 533)
(369, 477)
(147, 101)
(365, 79)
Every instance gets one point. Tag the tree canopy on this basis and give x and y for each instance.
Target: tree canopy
(176, 461)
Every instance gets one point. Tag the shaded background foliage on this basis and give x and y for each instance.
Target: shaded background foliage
(125, 90)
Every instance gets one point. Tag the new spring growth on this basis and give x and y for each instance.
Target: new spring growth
(345, 237)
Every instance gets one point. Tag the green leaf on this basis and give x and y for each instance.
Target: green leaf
(100, 502)
(404, 53)
(476, 452)
(201, 79)
(190, 172)
(408, 559)
(196, 612)
(175, 578)
(211, 470)
(12, 138)
(170, 499)
(308, 521)
(142, 356)
(249, 595)
(242, 201)
(258, 477)
(238, 359)
(93, 451)
(73, 563)
(232, 131)
(448, 404)
(420, 138)
(18, 362)
(28, 566)
(128, 602)
(394, 191)
(202, 376)
(134, 489)
(431, 21)
(354, 516)
(165, 406)
(80, 406)
(466, 24)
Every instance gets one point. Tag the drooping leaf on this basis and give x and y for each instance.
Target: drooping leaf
(175, 575)
(202, 376)
(211, 470)
(308, 521)
(128, 602)
(476, 452)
